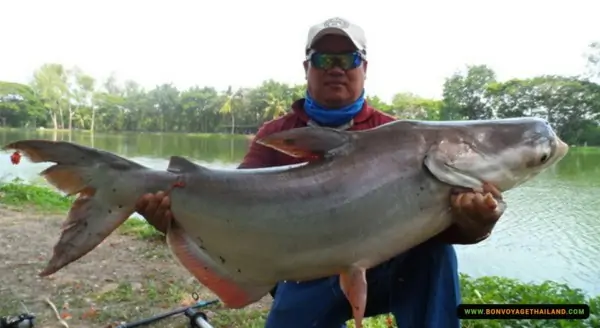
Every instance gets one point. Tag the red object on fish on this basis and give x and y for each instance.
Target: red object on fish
(15, 158)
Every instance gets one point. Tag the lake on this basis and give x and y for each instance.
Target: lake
(551, 229)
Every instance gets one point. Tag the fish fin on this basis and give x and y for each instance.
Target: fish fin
(88, 223)
(89, 220)
(67, 153)
(64, 178)
(95, 213)
(353, 283)
(178, 164)
(310, 142)
(234, 294)
(441, 160)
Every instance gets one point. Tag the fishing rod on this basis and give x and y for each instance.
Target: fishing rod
(24, 320)
(197, 319)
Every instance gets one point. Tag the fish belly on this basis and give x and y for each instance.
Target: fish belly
(270, 242)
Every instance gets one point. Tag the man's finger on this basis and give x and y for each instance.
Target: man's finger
(478, 202)
(466, 202)
(162, 208)
(166, 202)
(490, 202)
(455, 201)
(484, 205)
(162, 223)
(142, 202)
(490, 188)
(150, 209)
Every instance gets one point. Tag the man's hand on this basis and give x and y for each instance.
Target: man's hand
(475, 214)
(156, 209)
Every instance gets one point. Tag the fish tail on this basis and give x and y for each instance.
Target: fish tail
(107, 186)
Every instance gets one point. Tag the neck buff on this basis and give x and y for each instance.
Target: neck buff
(332, 117)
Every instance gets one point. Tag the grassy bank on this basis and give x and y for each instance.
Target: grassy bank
(155, 291)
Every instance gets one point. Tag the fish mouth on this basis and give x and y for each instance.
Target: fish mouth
(561, 149)
(558, 150)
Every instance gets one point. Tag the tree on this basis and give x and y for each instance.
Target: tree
(57, 95)
(410, 106)
(50, 85)
(571, 105)
(81, 88)
(465, 94)
(593, 61)
(232, 103)
(376, 102)
(19, 106)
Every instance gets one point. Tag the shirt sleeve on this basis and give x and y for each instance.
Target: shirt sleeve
(455, 235)
(258, 156)
(385, 118)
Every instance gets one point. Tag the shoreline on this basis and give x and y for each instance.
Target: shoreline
(134, 263)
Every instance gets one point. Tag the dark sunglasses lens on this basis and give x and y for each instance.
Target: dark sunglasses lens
(328, 61)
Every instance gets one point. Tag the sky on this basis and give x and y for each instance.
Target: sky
(413, 45)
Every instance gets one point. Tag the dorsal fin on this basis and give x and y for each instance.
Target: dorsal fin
(178, 164)
(310, 142)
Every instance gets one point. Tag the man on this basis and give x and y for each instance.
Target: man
(420, 287)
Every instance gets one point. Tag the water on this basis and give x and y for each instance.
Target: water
(550, 231)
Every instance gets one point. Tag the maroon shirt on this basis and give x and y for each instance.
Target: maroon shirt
(260, 156)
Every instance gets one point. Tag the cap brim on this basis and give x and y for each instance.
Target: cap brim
(332, 31)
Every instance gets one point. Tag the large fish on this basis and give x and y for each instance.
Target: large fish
(369, 196)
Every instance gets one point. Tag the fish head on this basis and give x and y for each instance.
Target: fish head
(504, 153)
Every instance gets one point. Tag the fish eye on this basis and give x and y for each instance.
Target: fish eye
(544, 158)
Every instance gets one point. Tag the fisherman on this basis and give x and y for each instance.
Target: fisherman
(420, 287)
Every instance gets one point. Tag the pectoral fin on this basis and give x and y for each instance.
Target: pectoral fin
(448, 162)
(353, 283)
(234, 294)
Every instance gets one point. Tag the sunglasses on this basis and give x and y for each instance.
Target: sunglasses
(345, 61)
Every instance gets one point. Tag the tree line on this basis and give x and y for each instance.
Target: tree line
(58, 97)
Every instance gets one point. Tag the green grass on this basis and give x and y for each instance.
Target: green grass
(18, 194)
(484, 290)
(140, 229)
(499, 290)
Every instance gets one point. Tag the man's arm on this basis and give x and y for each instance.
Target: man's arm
(462, 236)
(258, 156)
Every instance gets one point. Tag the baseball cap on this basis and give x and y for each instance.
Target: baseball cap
(338, 26)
